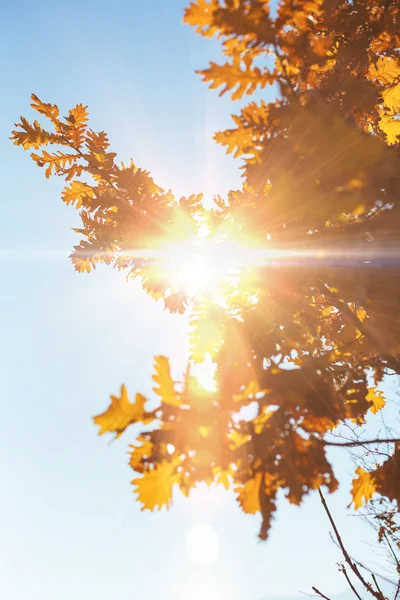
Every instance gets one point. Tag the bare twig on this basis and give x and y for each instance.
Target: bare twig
(392, 551)
(376, 583)
(320, 593)
(353, 589)
(362, 442)
(351, 564)
(397, 591)
(360, 564)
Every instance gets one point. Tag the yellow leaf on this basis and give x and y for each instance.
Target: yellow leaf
(122, 413)
(139, 452)
(75, 192)
(364, 487)
(83, 265)
(33, 136)
(165, 388)
(233, 77)
(249, 393)
(377, 399)
(249, 494)
(237, 439)
(391, 98)
(390, 126)
(386, 70)
(199, 14)
(79, 114)
(261, 419)
(361, 313)
(222, 476)
(49, 110)
(154, 488)
(75, 128)
(56, 162)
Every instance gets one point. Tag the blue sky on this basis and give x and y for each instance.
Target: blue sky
(70, 527)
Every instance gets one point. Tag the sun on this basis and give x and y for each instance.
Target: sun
(202, 545)
(200, 260)
(200, 266)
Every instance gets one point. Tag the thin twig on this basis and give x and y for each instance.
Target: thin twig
(397, 591)
(320, 593)
(362, 442)
(360, 564)
(391, 550)
(351, 564)
(343, 569)
(376, 583)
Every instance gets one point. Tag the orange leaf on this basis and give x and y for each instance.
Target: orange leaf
(75, 193)
(249, 494)
(49, 110)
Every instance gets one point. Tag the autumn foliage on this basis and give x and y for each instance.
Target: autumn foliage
(302, 321)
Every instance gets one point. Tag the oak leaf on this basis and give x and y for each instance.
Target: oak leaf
(377, 399)
(33, 135)
(74, 193)
(386, 70)
(154, 488)
(139, 452)
(200, 14)
(390, 125)
(364, 487)
(55, 162)
(165, 385)
(122, 413)
(222, 476)
(50, 111)
(248, 494)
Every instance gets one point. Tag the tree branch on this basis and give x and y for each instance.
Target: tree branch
(376, 583)
(346, 555)
(361, 442)
(397, 591)
(320, 593)
(353, 589)
(360, 564)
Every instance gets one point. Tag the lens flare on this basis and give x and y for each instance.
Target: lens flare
(202, 545)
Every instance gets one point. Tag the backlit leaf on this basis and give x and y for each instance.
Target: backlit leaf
(154, 488)
(165, 386)
(377, 399)
(122, 413)
(74, 193)
(50, 111)
(363, 489)
(248, 494)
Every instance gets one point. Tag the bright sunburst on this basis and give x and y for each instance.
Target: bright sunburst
(200, 266)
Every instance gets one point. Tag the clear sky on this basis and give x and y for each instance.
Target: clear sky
(69, 523)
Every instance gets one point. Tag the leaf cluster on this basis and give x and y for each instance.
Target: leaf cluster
(302, 342)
